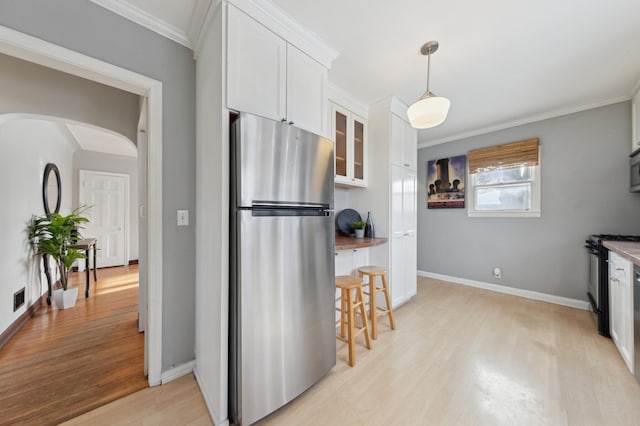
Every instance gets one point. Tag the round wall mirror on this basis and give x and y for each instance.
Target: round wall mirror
(51, 189)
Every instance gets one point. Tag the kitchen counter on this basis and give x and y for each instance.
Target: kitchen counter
(348, 243)
(626, 249)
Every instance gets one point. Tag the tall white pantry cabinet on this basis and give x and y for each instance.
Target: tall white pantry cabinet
(391, 195)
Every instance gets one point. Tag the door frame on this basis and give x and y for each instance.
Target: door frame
(35, 50)
(127, 204)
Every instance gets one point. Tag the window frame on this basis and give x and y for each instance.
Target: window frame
(536, 195)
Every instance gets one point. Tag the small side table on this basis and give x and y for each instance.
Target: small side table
(86, 245)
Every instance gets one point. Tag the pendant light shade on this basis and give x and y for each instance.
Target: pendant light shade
(430, 110)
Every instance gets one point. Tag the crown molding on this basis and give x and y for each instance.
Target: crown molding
(199, 19)
(281, 23)
(140, 17)
(346, 100)
(207, 21)
(515, 123)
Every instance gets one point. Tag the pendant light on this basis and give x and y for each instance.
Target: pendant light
(430, 110)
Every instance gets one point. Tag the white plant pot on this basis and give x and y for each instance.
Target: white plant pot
(65, 298)
(360, 233)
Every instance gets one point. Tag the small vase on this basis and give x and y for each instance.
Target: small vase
(360, 233)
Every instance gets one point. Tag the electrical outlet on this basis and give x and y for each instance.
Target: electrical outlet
(183, 217)
(497, 272)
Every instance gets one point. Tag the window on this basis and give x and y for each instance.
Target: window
(505, 180)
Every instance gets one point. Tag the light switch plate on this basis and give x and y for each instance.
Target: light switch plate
(183, 217)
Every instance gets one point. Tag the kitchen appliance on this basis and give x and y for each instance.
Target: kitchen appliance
(634, 163)
(636, 321)
(282, 291)
(598, 292)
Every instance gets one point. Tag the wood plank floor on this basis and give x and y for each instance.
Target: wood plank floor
(66, 362)
(459, 356)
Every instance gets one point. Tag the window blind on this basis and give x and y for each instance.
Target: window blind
(510, 155)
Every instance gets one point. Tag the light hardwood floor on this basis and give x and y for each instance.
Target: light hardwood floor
(63, 363)
(459, 356)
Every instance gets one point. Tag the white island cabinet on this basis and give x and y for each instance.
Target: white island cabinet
(621, 306)
(270, 77)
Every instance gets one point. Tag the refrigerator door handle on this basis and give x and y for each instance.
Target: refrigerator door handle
(287, 204)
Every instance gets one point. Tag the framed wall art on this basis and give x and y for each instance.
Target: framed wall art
(445, 182)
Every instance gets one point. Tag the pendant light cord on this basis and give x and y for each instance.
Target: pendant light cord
(428, 68)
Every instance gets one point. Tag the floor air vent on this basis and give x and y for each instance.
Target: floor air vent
(18, 299)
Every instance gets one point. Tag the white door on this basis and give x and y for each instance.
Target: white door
(108, 196)
(306, 86)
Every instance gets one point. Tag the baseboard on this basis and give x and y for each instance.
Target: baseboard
(207, 401)
(15, 326)
(527, 294)
(133, 262)
(177, 372)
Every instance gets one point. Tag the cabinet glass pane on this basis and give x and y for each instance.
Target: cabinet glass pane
(358, 150)
(341, 144)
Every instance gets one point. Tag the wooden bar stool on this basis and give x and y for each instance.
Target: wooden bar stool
(376, 311)
(351, 298)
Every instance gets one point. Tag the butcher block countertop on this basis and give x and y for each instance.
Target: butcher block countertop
(626, 249)
(349, 243)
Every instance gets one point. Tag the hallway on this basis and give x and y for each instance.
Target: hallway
(65, 363)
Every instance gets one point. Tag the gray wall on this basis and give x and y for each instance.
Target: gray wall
(30, 88)
(92, 30)
(585, 180)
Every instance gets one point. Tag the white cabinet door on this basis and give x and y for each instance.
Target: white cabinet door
(397, 140)
(256, 67)
(397, 278)
(306, 91)
(403, 234)
(344, 262)
(410, 147)
(621, 321)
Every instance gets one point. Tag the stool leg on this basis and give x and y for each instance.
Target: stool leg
(363, 313)
(388, 300)
(373, 306)
(343, 313)
(352, 352)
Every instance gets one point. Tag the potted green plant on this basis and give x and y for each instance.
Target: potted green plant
(359, 227)
(51, 235)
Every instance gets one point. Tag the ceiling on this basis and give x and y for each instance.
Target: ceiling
(500, 62)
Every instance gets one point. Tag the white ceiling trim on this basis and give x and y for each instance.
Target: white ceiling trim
(515, 123)
(198, 19)
(146, 20)
(207, 22)
(281, 23)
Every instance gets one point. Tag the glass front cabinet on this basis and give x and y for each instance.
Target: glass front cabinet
(350, 133)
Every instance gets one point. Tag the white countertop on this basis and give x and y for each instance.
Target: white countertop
(626, 249)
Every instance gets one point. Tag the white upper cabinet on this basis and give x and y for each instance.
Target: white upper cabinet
(269, 77)
(306, 91)
(256, 67)
(350, 138)
(635, 120)
(404, 146)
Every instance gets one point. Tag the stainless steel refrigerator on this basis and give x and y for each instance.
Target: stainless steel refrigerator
(282, 294)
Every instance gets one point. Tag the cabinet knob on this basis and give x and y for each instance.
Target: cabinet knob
(291, 123)
(407, 165)
(619, 269)
(353, 179)
(284, 120)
